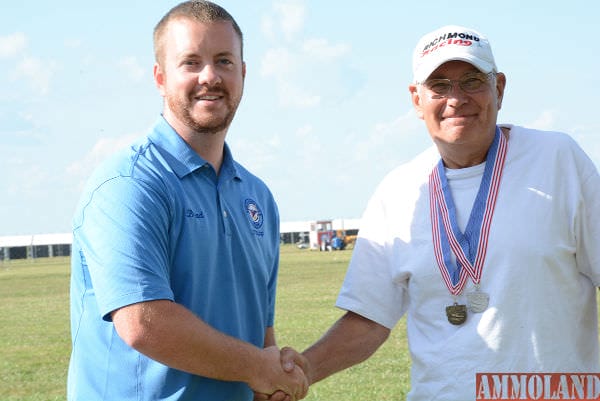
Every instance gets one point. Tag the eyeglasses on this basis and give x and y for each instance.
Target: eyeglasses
(469, 83)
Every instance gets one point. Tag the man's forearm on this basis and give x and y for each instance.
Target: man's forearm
(174, 336)
(351, 340)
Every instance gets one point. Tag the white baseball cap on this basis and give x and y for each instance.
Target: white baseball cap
(450, 43)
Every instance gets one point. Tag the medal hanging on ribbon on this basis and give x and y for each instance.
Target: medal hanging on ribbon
(469, 248)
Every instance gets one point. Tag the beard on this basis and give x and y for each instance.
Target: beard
(203, 122)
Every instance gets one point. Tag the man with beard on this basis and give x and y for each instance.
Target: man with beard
(176, 245)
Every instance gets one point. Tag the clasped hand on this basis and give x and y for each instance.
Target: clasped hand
(285, 377)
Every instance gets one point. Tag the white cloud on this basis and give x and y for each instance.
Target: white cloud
(101, 150)
(286, 68)
(259, 159)
(292, 15)
(545, 121)
(12, 45)
(18, 128)
(267, 27)
(278, 62)
(309, 149)
(133, 68)
(305, 71)
(323, 51)
(274, 142)
(303, 74)
(304, 131)
(393, 141)
(294, 95)
(31, 179)
(286, 20)
(73, 43)
(37, 72)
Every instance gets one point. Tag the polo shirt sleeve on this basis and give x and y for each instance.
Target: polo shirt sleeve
(272, 230)
(123, 234)
(272, 291)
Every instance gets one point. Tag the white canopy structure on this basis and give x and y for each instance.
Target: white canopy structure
(59, 244)
(35, 246)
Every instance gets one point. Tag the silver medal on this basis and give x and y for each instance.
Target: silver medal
(477, 300)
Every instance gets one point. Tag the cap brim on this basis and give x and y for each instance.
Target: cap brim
(481, 65)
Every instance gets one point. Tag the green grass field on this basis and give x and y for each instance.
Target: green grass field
(34, 329)
(35, 337)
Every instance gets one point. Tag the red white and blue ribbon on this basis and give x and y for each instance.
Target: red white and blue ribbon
(469, 247)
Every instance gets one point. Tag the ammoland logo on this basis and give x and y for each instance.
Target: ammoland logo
(537, 386)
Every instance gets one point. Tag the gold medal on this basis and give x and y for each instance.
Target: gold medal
(457, 314)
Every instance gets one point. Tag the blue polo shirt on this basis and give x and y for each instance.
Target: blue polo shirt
(156, 222)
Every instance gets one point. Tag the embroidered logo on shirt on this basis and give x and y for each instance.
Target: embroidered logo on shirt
(254, 213)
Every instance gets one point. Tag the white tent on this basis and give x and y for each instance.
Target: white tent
(35, 246)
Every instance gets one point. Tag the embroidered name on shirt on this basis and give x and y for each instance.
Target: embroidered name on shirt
(194, 214)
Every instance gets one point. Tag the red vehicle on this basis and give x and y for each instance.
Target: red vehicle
(320, 235)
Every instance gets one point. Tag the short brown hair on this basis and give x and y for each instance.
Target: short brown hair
(199, 10)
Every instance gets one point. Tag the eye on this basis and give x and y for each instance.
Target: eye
(471, 83)
(225, 61)
(439, 86)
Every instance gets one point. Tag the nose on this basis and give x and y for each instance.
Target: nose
(456, 95)
(208, 75)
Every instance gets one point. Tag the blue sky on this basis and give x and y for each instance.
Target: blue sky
(325, 114)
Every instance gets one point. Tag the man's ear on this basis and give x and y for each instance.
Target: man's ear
(159, 78)
(500, 85)
(416, 100)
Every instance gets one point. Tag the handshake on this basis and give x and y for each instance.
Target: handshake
(285, 376)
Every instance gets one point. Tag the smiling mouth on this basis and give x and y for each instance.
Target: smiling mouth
(208, 97)
(459, 117)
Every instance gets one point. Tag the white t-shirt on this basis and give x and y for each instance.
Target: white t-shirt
(541, 269)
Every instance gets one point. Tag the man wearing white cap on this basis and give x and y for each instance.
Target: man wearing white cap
(488, 241)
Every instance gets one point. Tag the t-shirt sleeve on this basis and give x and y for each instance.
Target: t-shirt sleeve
(587, 224)
(369, 288)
